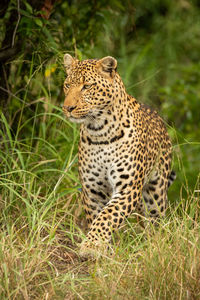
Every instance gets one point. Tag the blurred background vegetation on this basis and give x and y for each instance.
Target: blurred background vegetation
(158, 50)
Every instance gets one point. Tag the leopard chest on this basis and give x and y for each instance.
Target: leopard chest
(95, 161)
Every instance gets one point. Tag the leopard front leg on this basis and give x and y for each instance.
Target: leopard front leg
(93, 202)
(122, 204)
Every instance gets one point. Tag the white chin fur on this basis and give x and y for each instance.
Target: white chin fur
(74, 120)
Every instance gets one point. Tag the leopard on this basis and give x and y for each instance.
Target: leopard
(124, 153)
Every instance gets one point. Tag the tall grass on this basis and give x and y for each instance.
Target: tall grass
(35, 216)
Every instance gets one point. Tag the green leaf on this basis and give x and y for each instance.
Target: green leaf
(29, 8)
(79, 54)
(39, 22)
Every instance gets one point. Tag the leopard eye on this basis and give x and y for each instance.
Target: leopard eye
(86, 86)
(67, 86)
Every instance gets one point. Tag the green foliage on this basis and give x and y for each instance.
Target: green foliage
(185, 94)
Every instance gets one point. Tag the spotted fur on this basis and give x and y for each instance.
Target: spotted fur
(124, 149)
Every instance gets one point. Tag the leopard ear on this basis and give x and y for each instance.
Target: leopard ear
(68, 62)
(108, 65)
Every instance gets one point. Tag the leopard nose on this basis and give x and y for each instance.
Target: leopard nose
(69, 108)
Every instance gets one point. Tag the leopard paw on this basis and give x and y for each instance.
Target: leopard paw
(94, 249)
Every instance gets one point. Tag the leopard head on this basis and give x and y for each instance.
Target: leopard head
(89, 87)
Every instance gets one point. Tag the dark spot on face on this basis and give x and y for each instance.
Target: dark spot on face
(95, 174)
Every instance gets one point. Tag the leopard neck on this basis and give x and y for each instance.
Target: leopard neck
(112, 122)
